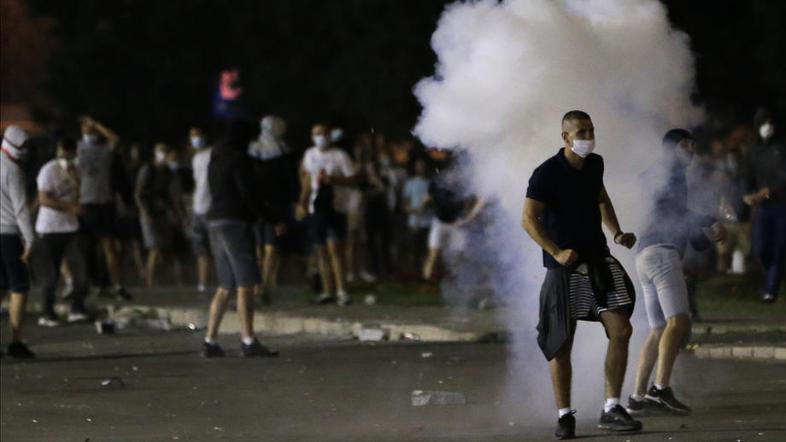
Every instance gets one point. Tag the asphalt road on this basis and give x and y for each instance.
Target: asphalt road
(321, 390)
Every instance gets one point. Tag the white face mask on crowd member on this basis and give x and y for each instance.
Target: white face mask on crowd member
(13, 139)
(198, 142)
(766, 130)
(320, 141)
(90, 138)
(583, 148)
(160, 157)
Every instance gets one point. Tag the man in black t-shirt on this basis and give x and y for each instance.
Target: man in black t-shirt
(565, 206)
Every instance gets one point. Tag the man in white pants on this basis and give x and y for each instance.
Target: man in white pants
(659, 266)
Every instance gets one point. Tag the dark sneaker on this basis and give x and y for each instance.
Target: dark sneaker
(257, 350)
(666, 399)
(617, 419)
(645, 407)
(768, 298)
(212, 350)
(566, 426)
(20, 351)
(123, 294)
(265, 298)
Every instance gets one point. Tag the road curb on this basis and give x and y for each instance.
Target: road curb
(278, 323)
(720, 329)
(757, 352)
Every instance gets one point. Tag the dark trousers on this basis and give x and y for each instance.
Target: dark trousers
(769, 245)
(55, 246)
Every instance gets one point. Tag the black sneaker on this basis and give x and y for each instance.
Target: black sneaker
(566, 426)
(617, 419)
(212, 350)
(20, 351)
(123, 294)
(645, 407)
(257, 350)
(667, 400)
(768, 298)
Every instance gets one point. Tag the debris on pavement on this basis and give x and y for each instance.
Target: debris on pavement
(372, 333)
(410, 336)
(370, 299)
(113, 382)
(421, 398)
(426, 354)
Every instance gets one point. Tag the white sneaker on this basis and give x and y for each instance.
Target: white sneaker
(201, 288)
(324, 298)
(343, 299)
(77, 317)
(44, 321)
(768, 298)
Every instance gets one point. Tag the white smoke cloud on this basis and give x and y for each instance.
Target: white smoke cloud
(506, 73)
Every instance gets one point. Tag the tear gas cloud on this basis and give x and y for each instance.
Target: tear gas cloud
(506, 73)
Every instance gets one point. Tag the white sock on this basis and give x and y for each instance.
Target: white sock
(564, 411)
(636, 397)
(660, 386)
(210, 341)
(248, 340)
(611, 403)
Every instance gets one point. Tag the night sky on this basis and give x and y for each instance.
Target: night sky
(149, 68)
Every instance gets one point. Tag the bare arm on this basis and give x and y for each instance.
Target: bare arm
(611, 222)
(477, 206)
(532, 221)
(109, 134)
(138, 190)
(305, 191)
(48, 200)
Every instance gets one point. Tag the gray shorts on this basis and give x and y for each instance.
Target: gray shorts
(232, 243)
(662, 281)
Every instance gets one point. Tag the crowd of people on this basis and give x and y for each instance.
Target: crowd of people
(224, 208)
(98, 214)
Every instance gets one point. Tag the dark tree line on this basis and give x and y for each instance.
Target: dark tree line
(149, 67)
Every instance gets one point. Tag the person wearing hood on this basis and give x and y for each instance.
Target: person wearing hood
(273, 169)
(97, 167)
(16, 235)
(236, 203)
(329, 173)
(766, 186)
(659, 265)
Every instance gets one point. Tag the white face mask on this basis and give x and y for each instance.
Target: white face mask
(160, 157)
(583, 148)
(766, 130)
(197, 142)
(320, 141)
(89, 138)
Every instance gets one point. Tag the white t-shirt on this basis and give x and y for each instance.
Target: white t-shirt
(333, 161)
(54, 180)
(199, 164)
(95, 173)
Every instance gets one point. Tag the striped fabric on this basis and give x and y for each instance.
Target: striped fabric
(582, 299)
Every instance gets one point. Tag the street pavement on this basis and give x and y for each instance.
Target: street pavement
(323, 389)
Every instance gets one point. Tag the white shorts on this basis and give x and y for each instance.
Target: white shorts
(446, 236)
(662, 282)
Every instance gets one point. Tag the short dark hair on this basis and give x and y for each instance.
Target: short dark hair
(575, 115)
(68, 144)
(674, 136)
